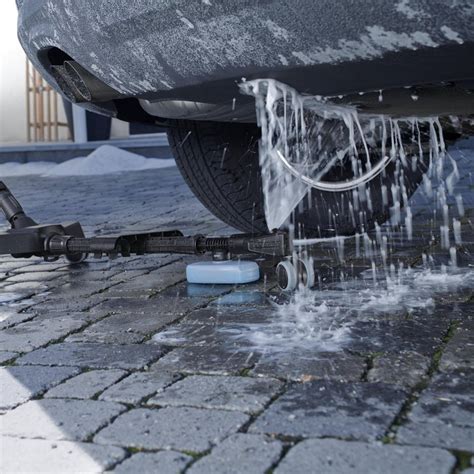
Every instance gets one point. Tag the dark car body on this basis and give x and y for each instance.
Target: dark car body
(184, 58)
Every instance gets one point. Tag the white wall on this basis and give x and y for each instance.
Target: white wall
(12, 78)
(13, 83)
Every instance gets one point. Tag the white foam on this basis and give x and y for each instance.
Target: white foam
(106, 159)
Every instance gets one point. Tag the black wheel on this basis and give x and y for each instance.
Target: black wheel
(219, 161)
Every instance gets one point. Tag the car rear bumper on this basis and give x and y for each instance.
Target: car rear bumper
(198, 51)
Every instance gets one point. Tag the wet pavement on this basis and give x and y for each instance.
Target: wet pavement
(120, 365)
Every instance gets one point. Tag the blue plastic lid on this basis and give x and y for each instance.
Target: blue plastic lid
(226, 272)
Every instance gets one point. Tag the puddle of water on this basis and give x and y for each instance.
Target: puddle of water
(320, 320)
(241, 298)
(8, 299)
(170, 336)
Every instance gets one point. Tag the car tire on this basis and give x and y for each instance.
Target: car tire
(219, 162)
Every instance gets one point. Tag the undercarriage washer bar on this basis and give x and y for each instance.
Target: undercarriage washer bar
(27, 238)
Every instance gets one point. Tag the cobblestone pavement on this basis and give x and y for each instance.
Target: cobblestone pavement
(122, 366)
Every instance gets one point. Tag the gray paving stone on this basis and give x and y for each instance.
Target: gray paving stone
(303, 366)
(27, 289)
(190, 334)
(163, 462)
(36, 455)
(138, 386)
(5, 356)
(9, 317)
(148, 264)
(398, 335)
(342, 457)
(96, 356)
(41, 267)
(405, 369)
(327, 408)
(189, 290)
(184, 429)
(130, 325)
(59, 419)
(218, 360)
(125, 274)
(217, 315)
(243, 298)
(151, 283)
(179, 335)
(200, 291)
(252, 454)
(437, 435)
(457, 383)
(448, 399)
(64, 304)
(87, 275)
(247, 394)
(459, 352)
(86, 385)
(32, 276)
(107, 332)
(38, 332)
(81, 289)
(151, 310)
(17, 299)
(19, 384)
(11, 266)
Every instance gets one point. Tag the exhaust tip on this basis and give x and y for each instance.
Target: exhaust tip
(65, 84)
(79, 85)
(75, 74)
(89, 87)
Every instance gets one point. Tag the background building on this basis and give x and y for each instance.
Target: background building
(13, 85)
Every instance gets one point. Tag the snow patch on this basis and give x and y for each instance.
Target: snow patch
(277, 31)
(371, 45)
(283, 60)
(411, 13)
(451, 34)
(104, 160)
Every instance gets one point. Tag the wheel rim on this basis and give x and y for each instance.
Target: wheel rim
(337, 187)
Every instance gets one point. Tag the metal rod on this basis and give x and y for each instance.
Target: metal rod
(56, 118)
(28, 98)
(40, 109)
(35, 106)
(48, 101)
(80, 124)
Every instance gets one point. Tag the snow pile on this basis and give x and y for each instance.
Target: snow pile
(104, 160)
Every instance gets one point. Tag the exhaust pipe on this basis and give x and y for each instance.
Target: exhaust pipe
(79, 85)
